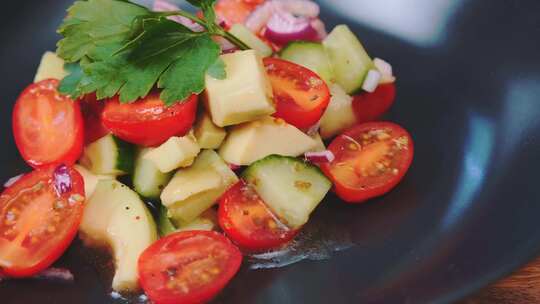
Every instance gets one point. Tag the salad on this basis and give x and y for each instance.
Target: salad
(220, 118)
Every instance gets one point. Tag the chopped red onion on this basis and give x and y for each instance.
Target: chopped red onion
(226, 45)
(320, 28)
(386, 70)
(284, 27)
(325, 156)
(259, 18)
(57, 274)
(12, 180)
(372, 81)
(62, 180)
(234, 167)
(166, 6)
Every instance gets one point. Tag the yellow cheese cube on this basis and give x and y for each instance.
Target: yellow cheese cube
(244, 95)
(174, 153)
(209, 136)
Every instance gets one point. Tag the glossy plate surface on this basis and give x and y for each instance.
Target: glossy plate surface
(466, 214)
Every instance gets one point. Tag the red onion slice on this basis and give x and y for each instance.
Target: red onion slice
(325, 156)
(235, 167)
(166, 6)
(12, 180)
(285, 27)
(259, 18)
(319, 26)
(61, 180)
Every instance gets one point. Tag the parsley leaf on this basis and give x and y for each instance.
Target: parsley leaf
(117, 47)
(92, 23)
(217, 69)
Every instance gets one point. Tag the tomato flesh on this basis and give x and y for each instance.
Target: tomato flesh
(370, 160)
(235, 11)
(39, 217)
(301, 96)
(47, 126)
(248, 222)
(93, 126)
(188, 267)
(371, 106)
(148, 122)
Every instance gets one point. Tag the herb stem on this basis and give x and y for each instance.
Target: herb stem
(221, 32)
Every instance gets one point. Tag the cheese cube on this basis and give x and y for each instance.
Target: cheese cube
(244, 95)
(174, 153)
(209, 136)
(51, 66)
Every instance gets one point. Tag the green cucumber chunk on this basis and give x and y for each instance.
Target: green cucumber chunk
(165, 225)
(310, 55)
(109, 155)
(246, 36)
(349, 59)
(148, 180)
(290, 187)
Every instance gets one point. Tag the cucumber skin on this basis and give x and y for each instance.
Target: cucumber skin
(280, 158)
(136, 177)
(165, 225)
(126, 155)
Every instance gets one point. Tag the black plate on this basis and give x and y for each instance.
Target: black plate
(467, 212)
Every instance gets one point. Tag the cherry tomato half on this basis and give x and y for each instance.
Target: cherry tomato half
(301, 95)
(248, 222)
(371, 106)
(370, 160)
(235, 11)
(47, 126)
(188, 267)
(39, 217)
(93, 126)
(148, 122)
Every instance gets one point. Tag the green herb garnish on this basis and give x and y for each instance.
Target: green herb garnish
(117, 47)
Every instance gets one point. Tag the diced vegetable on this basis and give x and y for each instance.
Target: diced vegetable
(206, 221)
(175, 153)
(252, 141)
(348, 57)
(165, 225)
(243, 33)
(208, 135)
(109, 155)
(339, 115)
(116, 217)
(148, 180)
(51, 66)
(195, 189)
(90, 179)
(310, 55)
(290, 187)
(244, 95)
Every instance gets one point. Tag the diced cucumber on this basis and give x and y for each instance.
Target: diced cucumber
(148, 180)
(109, 155)
(246, 36)
(165, 225)
(290, 187)
(90, 179)
(310, 55)
(339, 115)
(348, 58)
(206, 221)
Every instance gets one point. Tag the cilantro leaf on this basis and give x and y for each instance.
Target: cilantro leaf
(92, 23)
(217, 69)
(207, 6)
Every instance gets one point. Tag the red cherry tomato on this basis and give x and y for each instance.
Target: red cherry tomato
(148, 122)
(47, 126)
(371, 106)
(188, 267)
(93, 126)
(235, 11)
(301, 95)
(370, 160)
(248, 222)
(40, 215)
